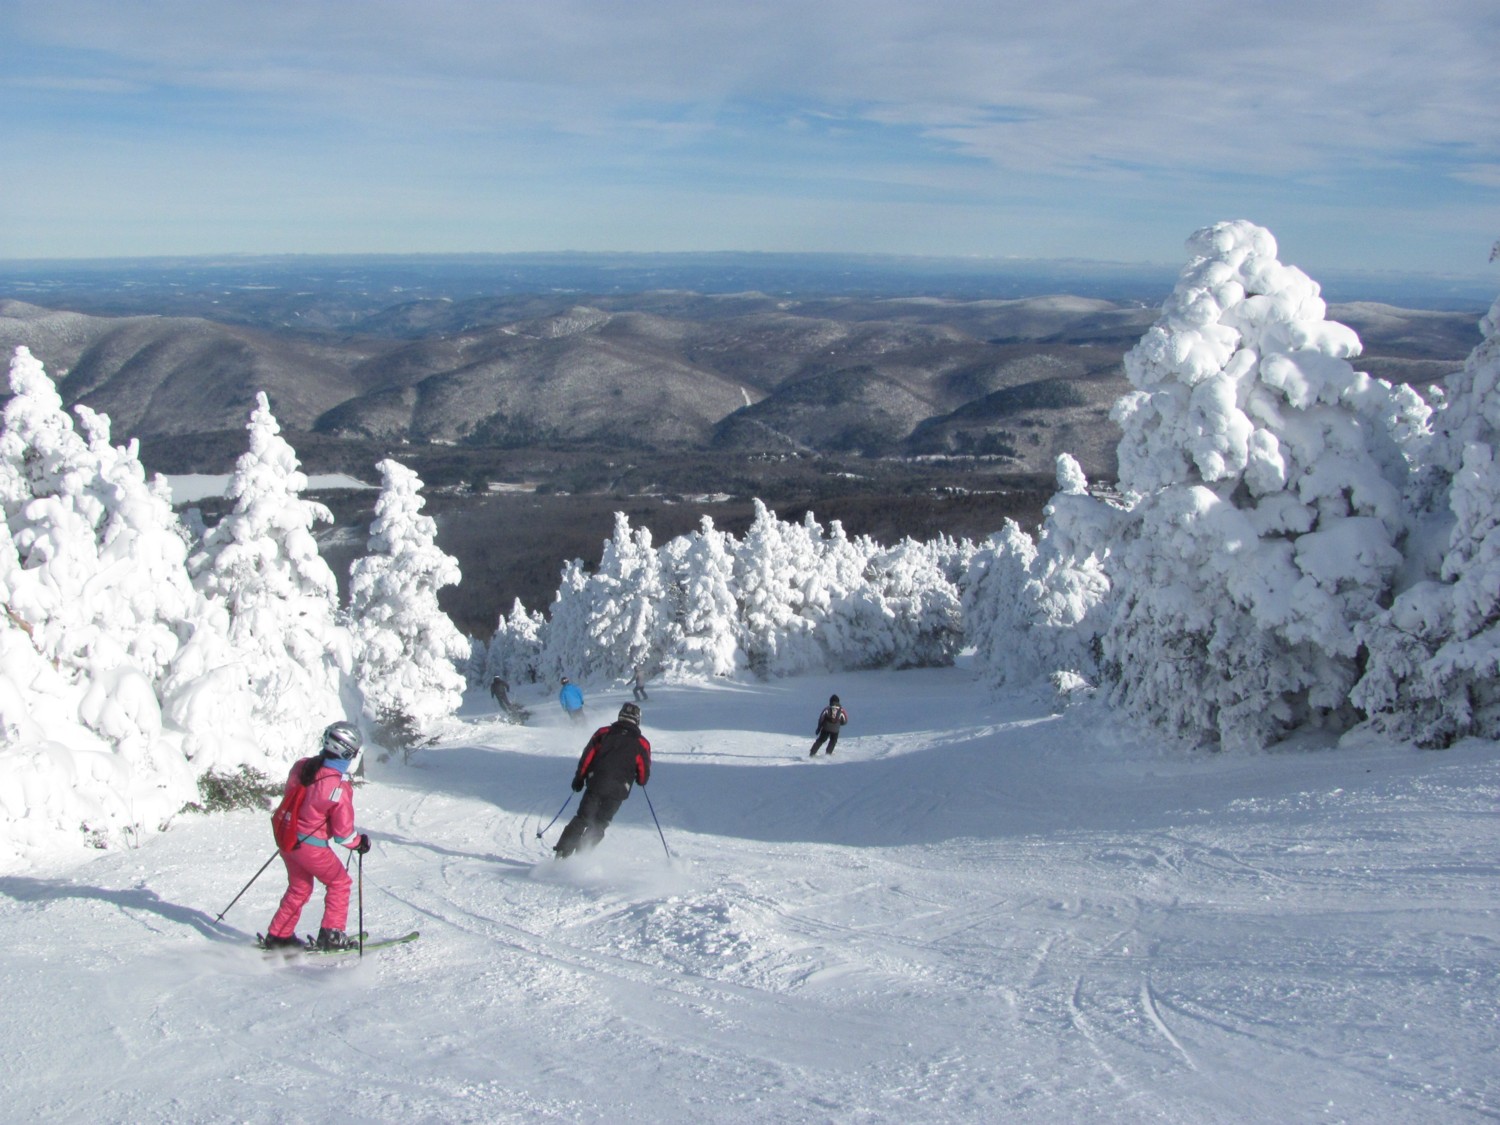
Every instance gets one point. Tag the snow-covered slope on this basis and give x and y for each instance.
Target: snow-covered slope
(977, 911)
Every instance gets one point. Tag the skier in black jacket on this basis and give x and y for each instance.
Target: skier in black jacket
(831, 721)
(616, 757)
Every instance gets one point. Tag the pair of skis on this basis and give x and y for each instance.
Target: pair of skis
(311, 945)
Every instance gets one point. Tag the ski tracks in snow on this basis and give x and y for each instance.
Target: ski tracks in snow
(1107, 972)
(961, 919)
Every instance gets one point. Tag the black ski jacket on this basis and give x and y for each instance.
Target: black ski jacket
(618, 752)
(831, 719)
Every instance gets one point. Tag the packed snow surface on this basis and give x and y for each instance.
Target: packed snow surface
(977, 911)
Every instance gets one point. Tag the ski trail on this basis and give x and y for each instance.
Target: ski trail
(1153, 1013)
(1085, 1028)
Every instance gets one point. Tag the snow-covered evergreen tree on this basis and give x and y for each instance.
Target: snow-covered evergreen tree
(1035, 608)
(1268, 476)
(770, 565)
(567, 648)
(703, 637)
(1065, 602)
(261, 563)
(841, 597)
(96, 562)
(97, 606)
(1434, 660)
(101, 565)
(628, 596)
(919, 604)
(515, 649)
(995, 610)
(406, 648)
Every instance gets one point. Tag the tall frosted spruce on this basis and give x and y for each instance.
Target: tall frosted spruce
(702, 636)
(406, 648)
(1266, 475)
(261, 564)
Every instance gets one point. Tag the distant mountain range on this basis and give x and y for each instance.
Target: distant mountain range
(537, 395)
(1017, 380)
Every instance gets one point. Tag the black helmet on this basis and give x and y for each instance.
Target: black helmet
(341, 740)
(631, 713)
(833, 699)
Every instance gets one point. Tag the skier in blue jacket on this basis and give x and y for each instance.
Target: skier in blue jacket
(571, 699)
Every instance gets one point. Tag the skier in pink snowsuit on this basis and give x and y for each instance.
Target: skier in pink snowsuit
(317, 811)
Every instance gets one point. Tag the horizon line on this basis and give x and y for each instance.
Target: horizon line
(970, 262)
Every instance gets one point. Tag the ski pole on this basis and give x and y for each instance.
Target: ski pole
(246, 887)
(361, 904)
(652, 807)
(553, 821)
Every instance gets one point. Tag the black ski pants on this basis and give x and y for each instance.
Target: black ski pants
(601, 800)
(832, 737)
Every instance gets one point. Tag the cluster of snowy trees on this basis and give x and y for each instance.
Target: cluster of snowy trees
(1293, 544)
(139, 652)
(787, 598)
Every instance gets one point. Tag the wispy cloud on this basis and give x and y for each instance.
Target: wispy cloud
(950, 103)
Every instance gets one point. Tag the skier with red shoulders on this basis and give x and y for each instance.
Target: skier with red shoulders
(616, 757)
(316, 812)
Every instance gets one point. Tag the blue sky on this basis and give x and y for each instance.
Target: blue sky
(1365, 135)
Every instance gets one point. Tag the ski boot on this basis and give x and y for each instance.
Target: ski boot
(333, 940)
(270, 941)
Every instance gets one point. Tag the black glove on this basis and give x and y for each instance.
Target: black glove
(578, 785)
(364, 844)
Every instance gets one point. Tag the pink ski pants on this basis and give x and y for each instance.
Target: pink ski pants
(303, 865)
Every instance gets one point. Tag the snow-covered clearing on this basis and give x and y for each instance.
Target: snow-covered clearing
(189, 488)
(977, 911)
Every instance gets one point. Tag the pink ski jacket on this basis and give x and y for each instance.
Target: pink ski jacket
(327, 809)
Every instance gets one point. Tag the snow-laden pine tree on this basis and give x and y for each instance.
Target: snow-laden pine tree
(261, 563)
(995, 611)
(102, 577)
(770, 568)
(1065, 600)
(841, 598)
(1434, 666)
(1034, 608)
(1267, 477)
(567, 646)
(98, 575)
(703, 635)
(628, 598)
(919, 605)
(515, 649)
(96, 605)
(406, 649)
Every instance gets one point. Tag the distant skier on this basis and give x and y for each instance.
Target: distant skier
(616, 757)
(514, 712)
(639, 691)
(571, 699)
(830, 721)
(316, 811)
